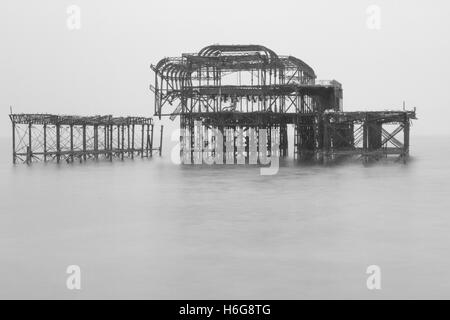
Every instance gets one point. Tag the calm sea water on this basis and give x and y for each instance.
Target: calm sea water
(152, 229)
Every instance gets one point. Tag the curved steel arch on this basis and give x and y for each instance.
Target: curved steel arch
(198, 76)
(303, 66)
(217, 50)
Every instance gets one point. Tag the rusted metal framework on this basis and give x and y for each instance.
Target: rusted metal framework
(46, 137)
(242, 87)
(371, 134)
(238, 89)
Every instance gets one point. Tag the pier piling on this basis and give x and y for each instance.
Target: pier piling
(46, 137)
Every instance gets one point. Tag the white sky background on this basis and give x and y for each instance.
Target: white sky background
(104, 67)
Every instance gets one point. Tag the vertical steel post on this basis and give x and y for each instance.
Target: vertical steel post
(118, 140)
(14, 140)
(326, 139)
(365, 138)
(96, 141)
(58, 143)
(84, 142)
(29, 150)
(128, 139)
(111, 141)
(142, 140)
(132, 141)
(147, 144)
(71, 142)
(157, 100)
(45, 142)
(122, 150)
(151, 140)
(406, 137)
(105, 141)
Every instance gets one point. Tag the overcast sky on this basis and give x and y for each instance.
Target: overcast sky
(103, 68)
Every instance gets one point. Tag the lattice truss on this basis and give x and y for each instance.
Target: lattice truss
(372, 134)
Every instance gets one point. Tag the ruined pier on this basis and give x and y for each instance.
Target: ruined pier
(239, 91)
(47, 137)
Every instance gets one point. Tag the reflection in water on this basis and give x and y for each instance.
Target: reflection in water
(151, 229)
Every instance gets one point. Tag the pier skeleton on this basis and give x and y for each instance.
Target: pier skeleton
(45, 137)
(232, 88)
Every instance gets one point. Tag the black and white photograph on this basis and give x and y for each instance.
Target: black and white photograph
(224, 155)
